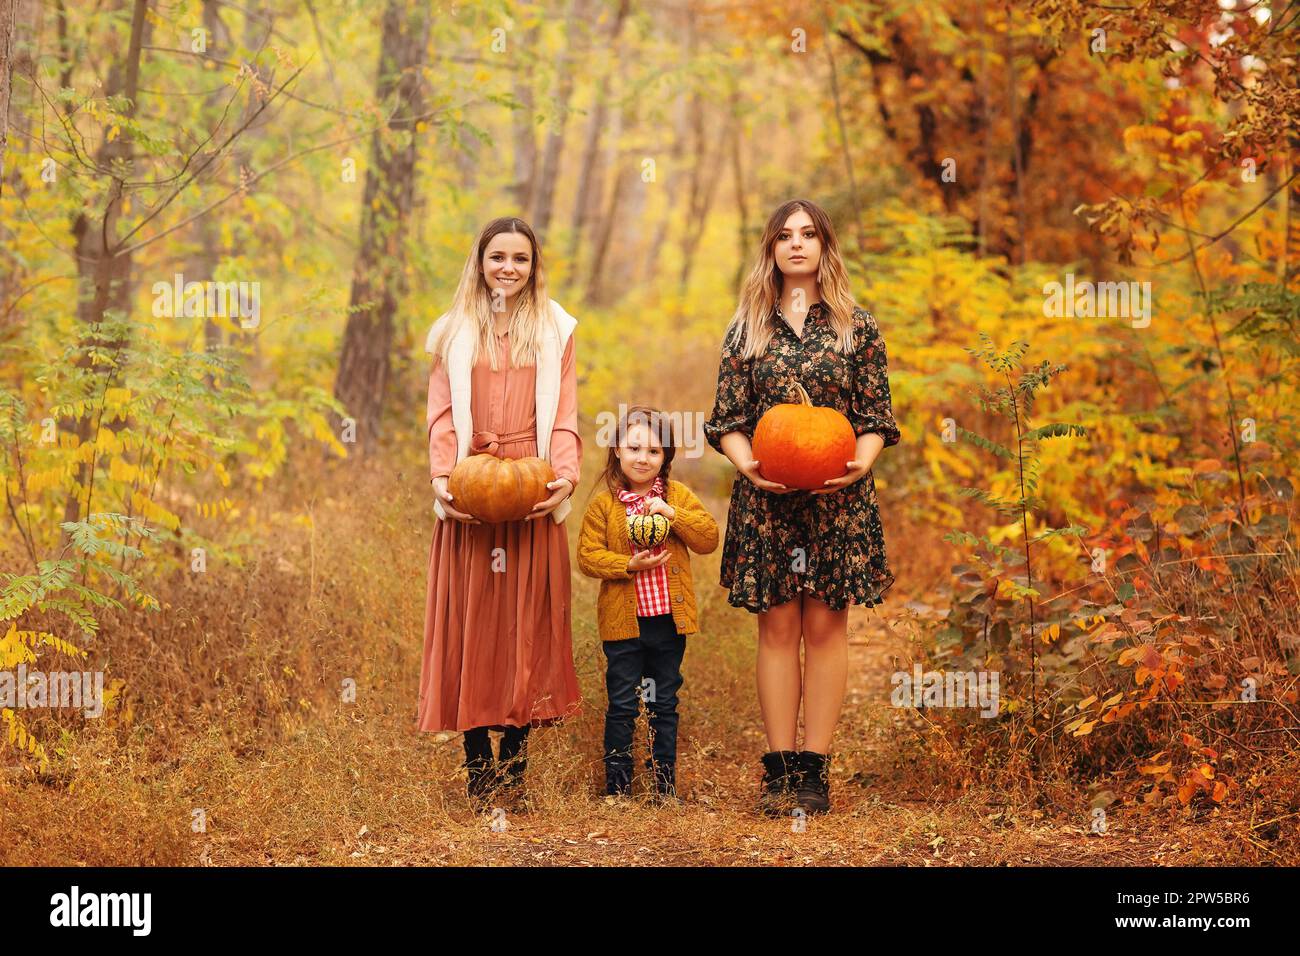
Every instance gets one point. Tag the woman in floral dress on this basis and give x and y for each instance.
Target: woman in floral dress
(798, 559)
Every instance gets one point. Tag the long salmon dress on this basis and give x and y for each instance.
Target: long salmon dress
(498, 646)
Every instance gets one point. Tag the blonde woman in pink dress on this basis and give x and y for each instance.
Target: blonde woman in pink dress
(497, 635)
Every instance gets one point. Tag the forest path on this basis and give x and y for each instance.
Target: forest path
(881, 815)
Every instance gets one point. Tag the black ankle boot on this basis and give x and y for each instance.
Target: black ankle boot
(480, 768)
(512, 762)
(777, 797)
(665, 778)
(618, 775)
(813, 790)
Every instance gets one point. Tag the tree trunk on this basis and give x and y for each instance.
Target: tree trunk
(366, 356)
(208, 257)
(26, 26)
(704, 183)
(833, 74)
(258, 26)
(525, 153)
(650, 266)
(8, 19)
(986, 111)
(596, 284)
(624, 243)
(1017, 144)
(545, 195)
(742, 195)
(703, 167)
(105, 274)
(29, 15)
(588, 196)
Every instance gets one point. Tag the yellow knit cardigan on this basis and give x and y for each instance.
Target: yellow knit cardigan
(604, 550)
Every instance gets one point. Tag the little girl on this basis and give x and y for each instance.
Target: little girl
(647, 604)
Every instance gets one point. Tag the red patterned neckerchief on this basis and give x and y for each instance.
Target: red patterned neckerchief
(638, 500)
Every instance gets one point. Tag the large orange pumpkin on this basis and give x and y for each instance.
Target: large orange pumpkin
(802, 445)
(496, 489)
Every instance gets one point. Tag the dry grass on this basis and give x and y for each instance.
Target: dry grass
(235, 705)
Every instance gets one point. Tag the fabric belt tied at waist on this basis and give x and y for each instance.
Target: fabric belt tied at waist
(486, 442)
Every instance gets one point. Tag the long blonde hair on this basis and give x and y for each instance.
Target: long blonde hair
(755, 318)
(472, 304)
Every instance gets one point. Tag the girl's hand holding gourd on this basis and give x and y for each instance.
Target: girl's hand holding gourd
(657, 506)
(644, 560)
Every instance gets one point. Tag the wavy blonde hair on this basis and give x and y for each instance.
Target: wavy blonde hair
(755, 319)
(472, 304)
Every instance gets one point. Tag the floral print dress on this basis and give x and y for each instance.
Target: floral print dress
(831, 546)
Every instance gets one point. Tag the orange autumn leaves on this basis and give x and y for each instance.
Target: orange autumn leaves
(1159, 671)
(1202, 777)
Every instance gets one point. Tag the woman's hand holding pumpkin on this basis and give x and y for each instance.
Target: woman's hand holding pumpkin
(751, 472)
(644, 560)
(856, 470)
(443, 495)
(561, 488)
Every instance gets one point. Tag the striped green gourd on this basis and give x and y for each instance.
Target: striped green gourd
(646, 531)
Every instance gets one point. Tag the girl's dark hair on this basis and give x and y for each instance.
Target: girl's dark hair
(660, 425)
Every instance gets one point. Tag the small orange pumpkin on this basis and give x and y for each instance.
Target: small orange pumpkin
(802, 445)
(496, 489)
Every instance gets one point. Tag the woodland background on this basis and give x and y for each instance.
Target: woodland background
(231, 519)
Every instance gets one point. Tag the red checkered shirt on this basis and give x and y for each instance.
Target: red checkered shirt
(652, 597)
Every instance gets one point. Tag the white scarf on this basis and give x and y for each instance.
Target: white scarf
(555, 337)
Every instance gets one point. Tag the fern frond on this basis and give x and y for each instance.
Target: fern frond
(1073, 529)
(1002, 505)
(1056, 430)
(991, 446)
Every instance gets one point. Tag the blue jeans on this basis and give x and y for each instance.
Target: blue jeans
(646, 667)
